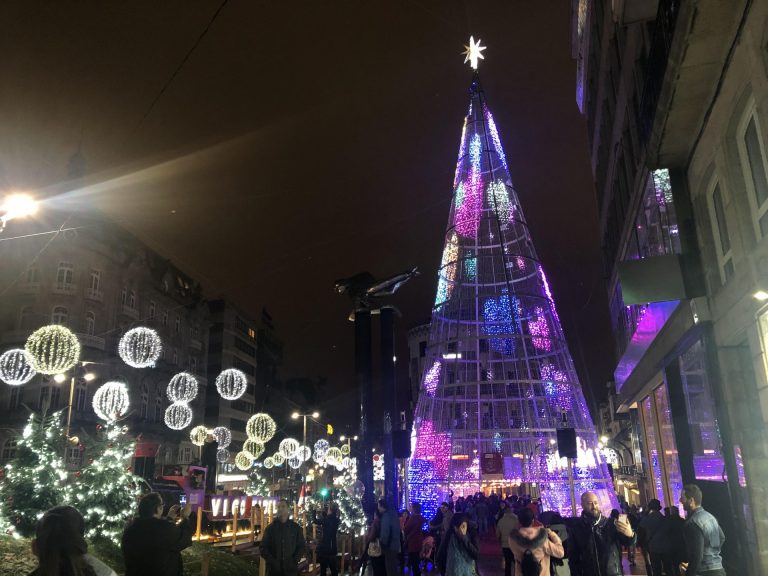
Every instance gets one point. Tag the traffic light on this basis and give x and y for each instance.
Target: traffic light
(324, 492)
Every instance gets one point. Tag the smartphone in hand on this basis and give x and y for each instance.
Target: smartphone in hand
(623, 519)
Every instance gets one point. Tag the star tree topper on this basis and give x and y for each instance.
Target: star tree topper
(473, 52)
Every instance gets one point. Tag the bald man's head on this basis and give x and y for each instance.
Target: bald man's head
(590, 504)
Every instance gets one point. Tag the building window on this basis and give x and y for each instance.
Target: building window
(185, 455)
(132, 300)
(252, 333)
(90, 323)
(42, 401)
(193, 364)
(55, 397)
(32, 275)
(25, 317)
(243, 366)
(144, 404)
(175, 357)
(165, 318)
(753, 162)
(9, 450)
(245, 347)
(720, 230)
(81, 394)
(65, 275)
(13, 400)
(59, 315)
(177, 324)
(158, 409)
(152, 310)
(124, 296)
(94, 287)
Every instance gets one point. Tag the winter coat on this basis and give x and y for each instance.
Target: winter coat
(504, 527)
(281, 547)
(653, 533)
(152, 546)
(414, 537)
(594, 547)
(329, 525)
(455, 552)
(542, 545)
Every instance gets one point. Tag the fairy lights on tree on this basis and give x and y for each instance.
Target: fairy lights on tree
(347, 493)
(257, 484)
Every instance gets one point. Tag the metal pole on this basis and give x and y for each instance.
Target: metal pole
(387, 343)
(572, 487)
(69, 416)
(303, 472)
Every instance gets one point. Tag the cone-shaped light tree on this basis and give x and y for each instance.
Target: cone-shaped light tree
(499, 379)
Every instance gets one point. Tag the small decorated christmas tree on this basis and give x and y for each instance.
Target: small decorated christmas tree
(35, 480)
(257, 484)
(106, 490)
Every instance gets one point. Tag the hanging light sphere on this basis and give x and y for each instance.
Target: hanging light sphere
(321, 447)
(294, 462)
(288, 447)
(278, 459)
(222, 455)
(222, 435)
(317, 457)
(198, 434)
(345, 462)
(304, 453)
(243, 461)
(268, 462)
(178, 416)
(231, 384)
(345, 449)
(261, 427)
(334, 456)
(253, 449)
(140, 347)
(182, 388)
(111, 401)
(16, 367)
(53, 349)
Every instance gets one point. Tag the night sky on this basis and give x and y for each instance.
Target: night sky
(295, 146)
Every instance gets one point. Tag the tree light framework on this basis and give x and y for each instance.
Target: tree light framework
(498, 375)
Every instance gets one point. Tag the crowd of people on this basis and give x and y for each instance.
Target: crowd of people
(534, 542)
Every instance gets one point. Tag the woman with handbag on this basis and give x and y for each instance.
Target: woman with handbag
(373, 559)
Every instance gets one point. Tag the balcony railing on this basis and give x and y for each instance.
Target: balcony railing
(95, 294)
(64, 288)
(131, 312)
(663, 31)
(90, 341)
(195, 344)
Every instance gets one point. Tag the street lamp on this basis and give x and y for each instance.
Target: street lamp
(16, 206)
(60, 378)
(314, 416)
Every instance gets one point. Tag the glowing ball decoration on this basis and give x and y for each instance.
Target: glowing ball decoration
(261, 427)
(334, 456)
(243, 461)
(53, 349)
(111, 401)
(321, 447)
(140, 347)
(222, 455)
(231, 384)
(294, 462)
(269, 462)
(16, 367)
(253, 449)
(345, 449)
(182, 388)
(304, 453)
(222, 435)
(178, 416)
(288, 447)
(198, 434)
(278, 459)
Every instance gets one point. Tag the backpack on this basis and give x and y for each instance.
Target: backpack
(529, 564)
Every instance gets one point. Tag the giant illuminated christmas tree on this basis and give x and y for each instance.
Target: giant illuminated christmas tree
(499, 379)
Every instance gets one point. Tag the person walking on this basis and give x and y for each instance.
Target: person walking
(390, 538)
(703, 536)
(414, 538)
(481, 509)
(458, 552)
(594, 541)
(282, 544)
(327, 547)
(152, 544)
(654, 534)
(504, 527)
(532, 547)
(441, 523)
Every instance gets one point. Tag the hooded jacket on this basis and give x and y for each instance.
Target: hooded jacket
(542, 545)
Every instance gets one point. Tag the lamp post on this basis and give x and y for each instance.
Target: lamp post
(59, 378)
(16, 206)
(314, 416)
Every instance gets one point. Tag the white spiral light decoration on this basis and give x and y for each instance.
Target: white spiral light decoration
(345, 462)
(321, 447)
(288, 447)
(294, 462)
(222, 455)
(222, 435)
(278, 459)
(243, 461)
(182, 388)
(140, 347)
(16, 367)
(304, 453)
(231, 384)
(53, 349)
(269, 462)
(334, 456)
(198, 434)
(111, 401)
(261, 427)
(345, 449)
(253, 449)
(178, 416)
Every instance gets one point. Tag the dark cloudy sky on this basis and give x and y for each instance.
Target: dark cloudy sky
(301, 142)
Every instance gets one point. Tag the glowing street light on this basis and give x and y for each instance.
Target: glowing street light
(16, 206)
